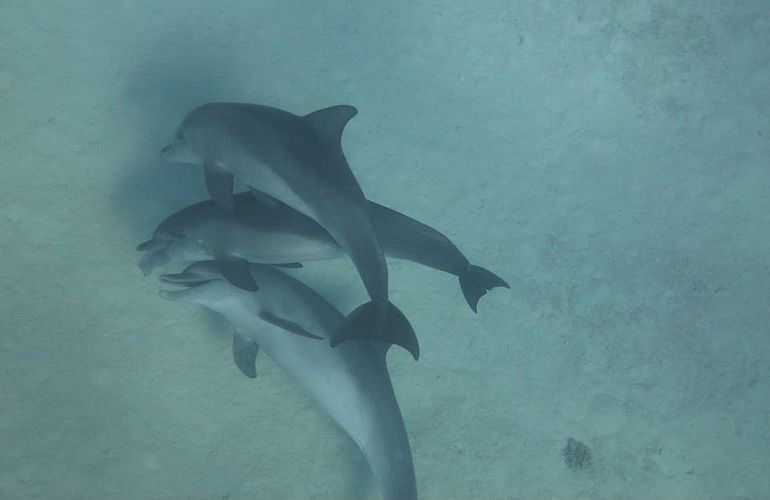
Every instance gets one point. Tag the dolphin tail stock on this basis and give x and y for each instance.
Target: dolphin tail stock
(476, 281)
(364, 323)
(386, 445)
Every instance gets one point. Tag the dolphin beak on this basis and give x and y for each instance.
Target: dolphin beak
(183, 295)
(202, 292)
(199, 272)
(152, 259)
(177, 152)
(150, 244)
(167, 153)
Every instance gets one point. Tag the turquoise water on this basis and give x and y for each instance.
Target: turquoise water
(608, 159)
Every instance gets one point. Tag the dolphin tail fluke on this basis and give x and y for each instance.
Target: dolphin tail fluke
(362, 324)
(476, 281)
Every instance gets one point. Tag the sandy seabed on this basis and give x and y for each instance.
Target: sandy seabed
(609, 159)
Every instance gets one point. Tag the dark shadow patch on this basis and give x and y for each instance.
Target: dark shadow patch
(177, 71)
(577, 456)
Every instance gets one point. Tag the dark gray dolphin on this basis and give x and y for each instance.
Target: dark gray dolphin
(269, 232)
(298, 160)
(350, 382)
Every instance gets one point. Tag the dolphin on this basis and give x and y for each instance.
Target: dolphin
(298, 160)
(350, 382)
(270, 232)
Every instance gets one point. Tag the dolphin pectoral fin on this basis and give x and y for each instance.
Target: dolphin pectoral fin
(219, 183)
(289, 265)
(361, 324)
(476, 281)
(287, 325)
(245, 351)
(237, 272)
(329, 122)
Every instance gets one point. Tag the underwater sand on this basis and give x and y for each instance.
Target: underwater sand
(609, 159)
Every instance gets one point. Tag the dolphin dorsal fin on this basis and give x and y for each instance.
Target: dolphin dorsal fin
(329, 122)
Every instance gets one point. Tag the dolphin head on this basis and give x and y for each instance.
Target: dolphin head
(169, 242)
(155, 253)
(189, 140)
(202, 134)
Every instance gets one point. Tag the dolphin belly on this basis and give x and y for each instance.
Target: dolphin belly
(278, 188)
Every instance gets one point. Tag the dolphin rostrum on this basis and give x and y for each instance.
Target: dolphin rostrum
(270, 232)
(350, 382)
(298, 160)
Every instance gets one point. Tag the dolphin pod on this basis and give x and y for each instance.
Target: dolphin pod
(303, 204)
(299, 161)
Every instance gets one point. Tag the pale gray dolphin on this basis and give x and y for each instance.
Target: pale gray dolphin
(350, 382)
(298, 160)
(270, 232)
